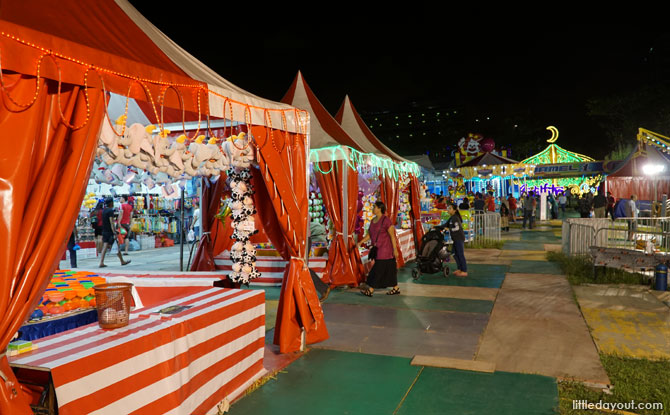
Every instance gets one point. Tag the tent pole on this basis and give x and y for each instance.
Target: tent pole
(345, 203)
(181, 233)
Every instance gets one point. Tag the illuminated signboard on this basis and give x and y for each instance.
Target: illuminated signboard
(569, 169)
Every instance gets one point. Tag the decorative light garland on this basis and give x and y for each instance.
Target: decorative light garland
(355, 158)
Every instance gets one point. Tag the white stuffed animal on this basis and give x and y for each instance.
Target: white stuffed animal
(199, 155)
(108, 146)
(162, 151)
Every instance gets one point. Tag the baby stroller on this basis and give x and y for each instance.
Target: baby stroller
(433, 255)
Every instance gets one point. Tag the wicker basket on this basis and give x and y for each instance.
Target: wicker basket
(113, 304)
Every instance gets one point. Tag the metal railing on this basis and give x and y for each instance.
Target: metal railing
(486, 227)
(624, 233)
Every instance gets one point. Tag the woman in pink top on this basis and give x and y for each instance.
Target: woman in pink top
(384, 272)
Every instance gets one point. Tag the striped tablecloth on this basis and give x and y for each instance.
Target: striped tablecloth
(184, 363)
(406, 241)
(271, 267)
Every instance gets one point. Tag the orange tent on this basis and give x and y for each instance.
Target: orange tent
(339, 189)
(56, 60)
(354, 125)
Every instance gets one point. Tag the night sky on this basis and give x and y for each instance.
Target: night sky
(537, 75)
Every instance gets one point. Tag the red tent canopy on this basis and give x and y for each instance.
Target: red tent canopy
(55, 56)
(630, 179)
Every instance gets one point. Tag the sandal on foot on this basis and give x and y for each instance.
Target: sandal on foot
(125, 263)
(367, 292)
(393, 291)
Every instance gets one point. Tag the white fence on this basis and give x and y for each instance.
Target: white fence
(627, 233)
(486, 227)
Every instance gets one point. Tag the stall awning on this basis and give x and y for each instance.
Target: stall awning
(81, 42)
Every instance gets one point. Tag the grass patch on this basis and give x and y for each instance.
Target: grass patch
(486, 244)
(580, 270)
(639, 380)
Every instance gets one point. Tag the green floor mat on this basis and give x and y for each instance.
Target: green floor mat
(411, 302)
(327, 382)
(535, 267)
(543, 237)
(479, 275)
(446, 391)
(523, 245)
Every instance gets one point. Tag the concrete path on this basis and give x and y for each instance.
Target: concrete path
(628, 321)
(536, 327)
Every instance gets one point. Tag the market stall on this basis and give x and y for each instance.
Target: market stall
(336, 160)
(214, 338)
(55, 91)
(633, 176)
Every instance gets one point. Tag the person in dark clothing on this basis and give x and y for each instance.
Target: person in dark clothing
(584, 207)
(465, 204)
(70, 247)
(109, 233)
(599, 204)
(96, 224)
(384, 272)
(455, 226)
(610, 205)
(529, 205)
(479, 203)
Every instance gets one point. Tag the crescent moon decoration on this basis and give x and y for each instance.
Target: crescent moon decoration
(554, 134)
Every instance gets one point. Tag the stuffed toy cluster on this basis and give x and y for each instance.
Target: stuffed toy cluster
(145, 149)
(243, 252)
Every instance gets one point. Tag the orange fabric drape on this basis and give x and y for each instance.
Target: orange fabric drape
(282, 159)
(341, 268)
(209, 206)
(44, 170)
(389, 194)
(415, 212)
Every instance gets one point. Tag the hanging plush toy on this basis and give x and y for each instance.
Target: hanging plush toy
(243, 253)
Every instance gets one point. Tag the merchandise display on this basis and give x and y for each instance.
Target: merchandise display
(243, 253)
(404, 217)
(68, 291)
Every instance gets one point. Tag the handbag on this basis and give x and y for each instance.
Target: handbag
(372, 254)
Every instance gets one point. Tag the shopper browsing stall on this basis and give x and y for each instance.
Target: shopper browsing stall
(384, 272)
(455, 226)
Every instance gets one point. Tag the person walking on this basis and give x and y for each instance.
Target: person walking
(384, 272)
(125, 215)
(455, 226)
(562, 203)
(109, 233)
(529, 204)
(511, 200)
(96, 224)
(599, 204)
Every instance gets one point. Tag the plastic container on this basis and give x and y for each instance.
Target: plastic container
(113, 304)
(661, 278)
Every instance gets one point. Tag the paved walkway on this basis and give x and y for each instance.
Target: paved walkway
(514, 310)
(628, 321)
